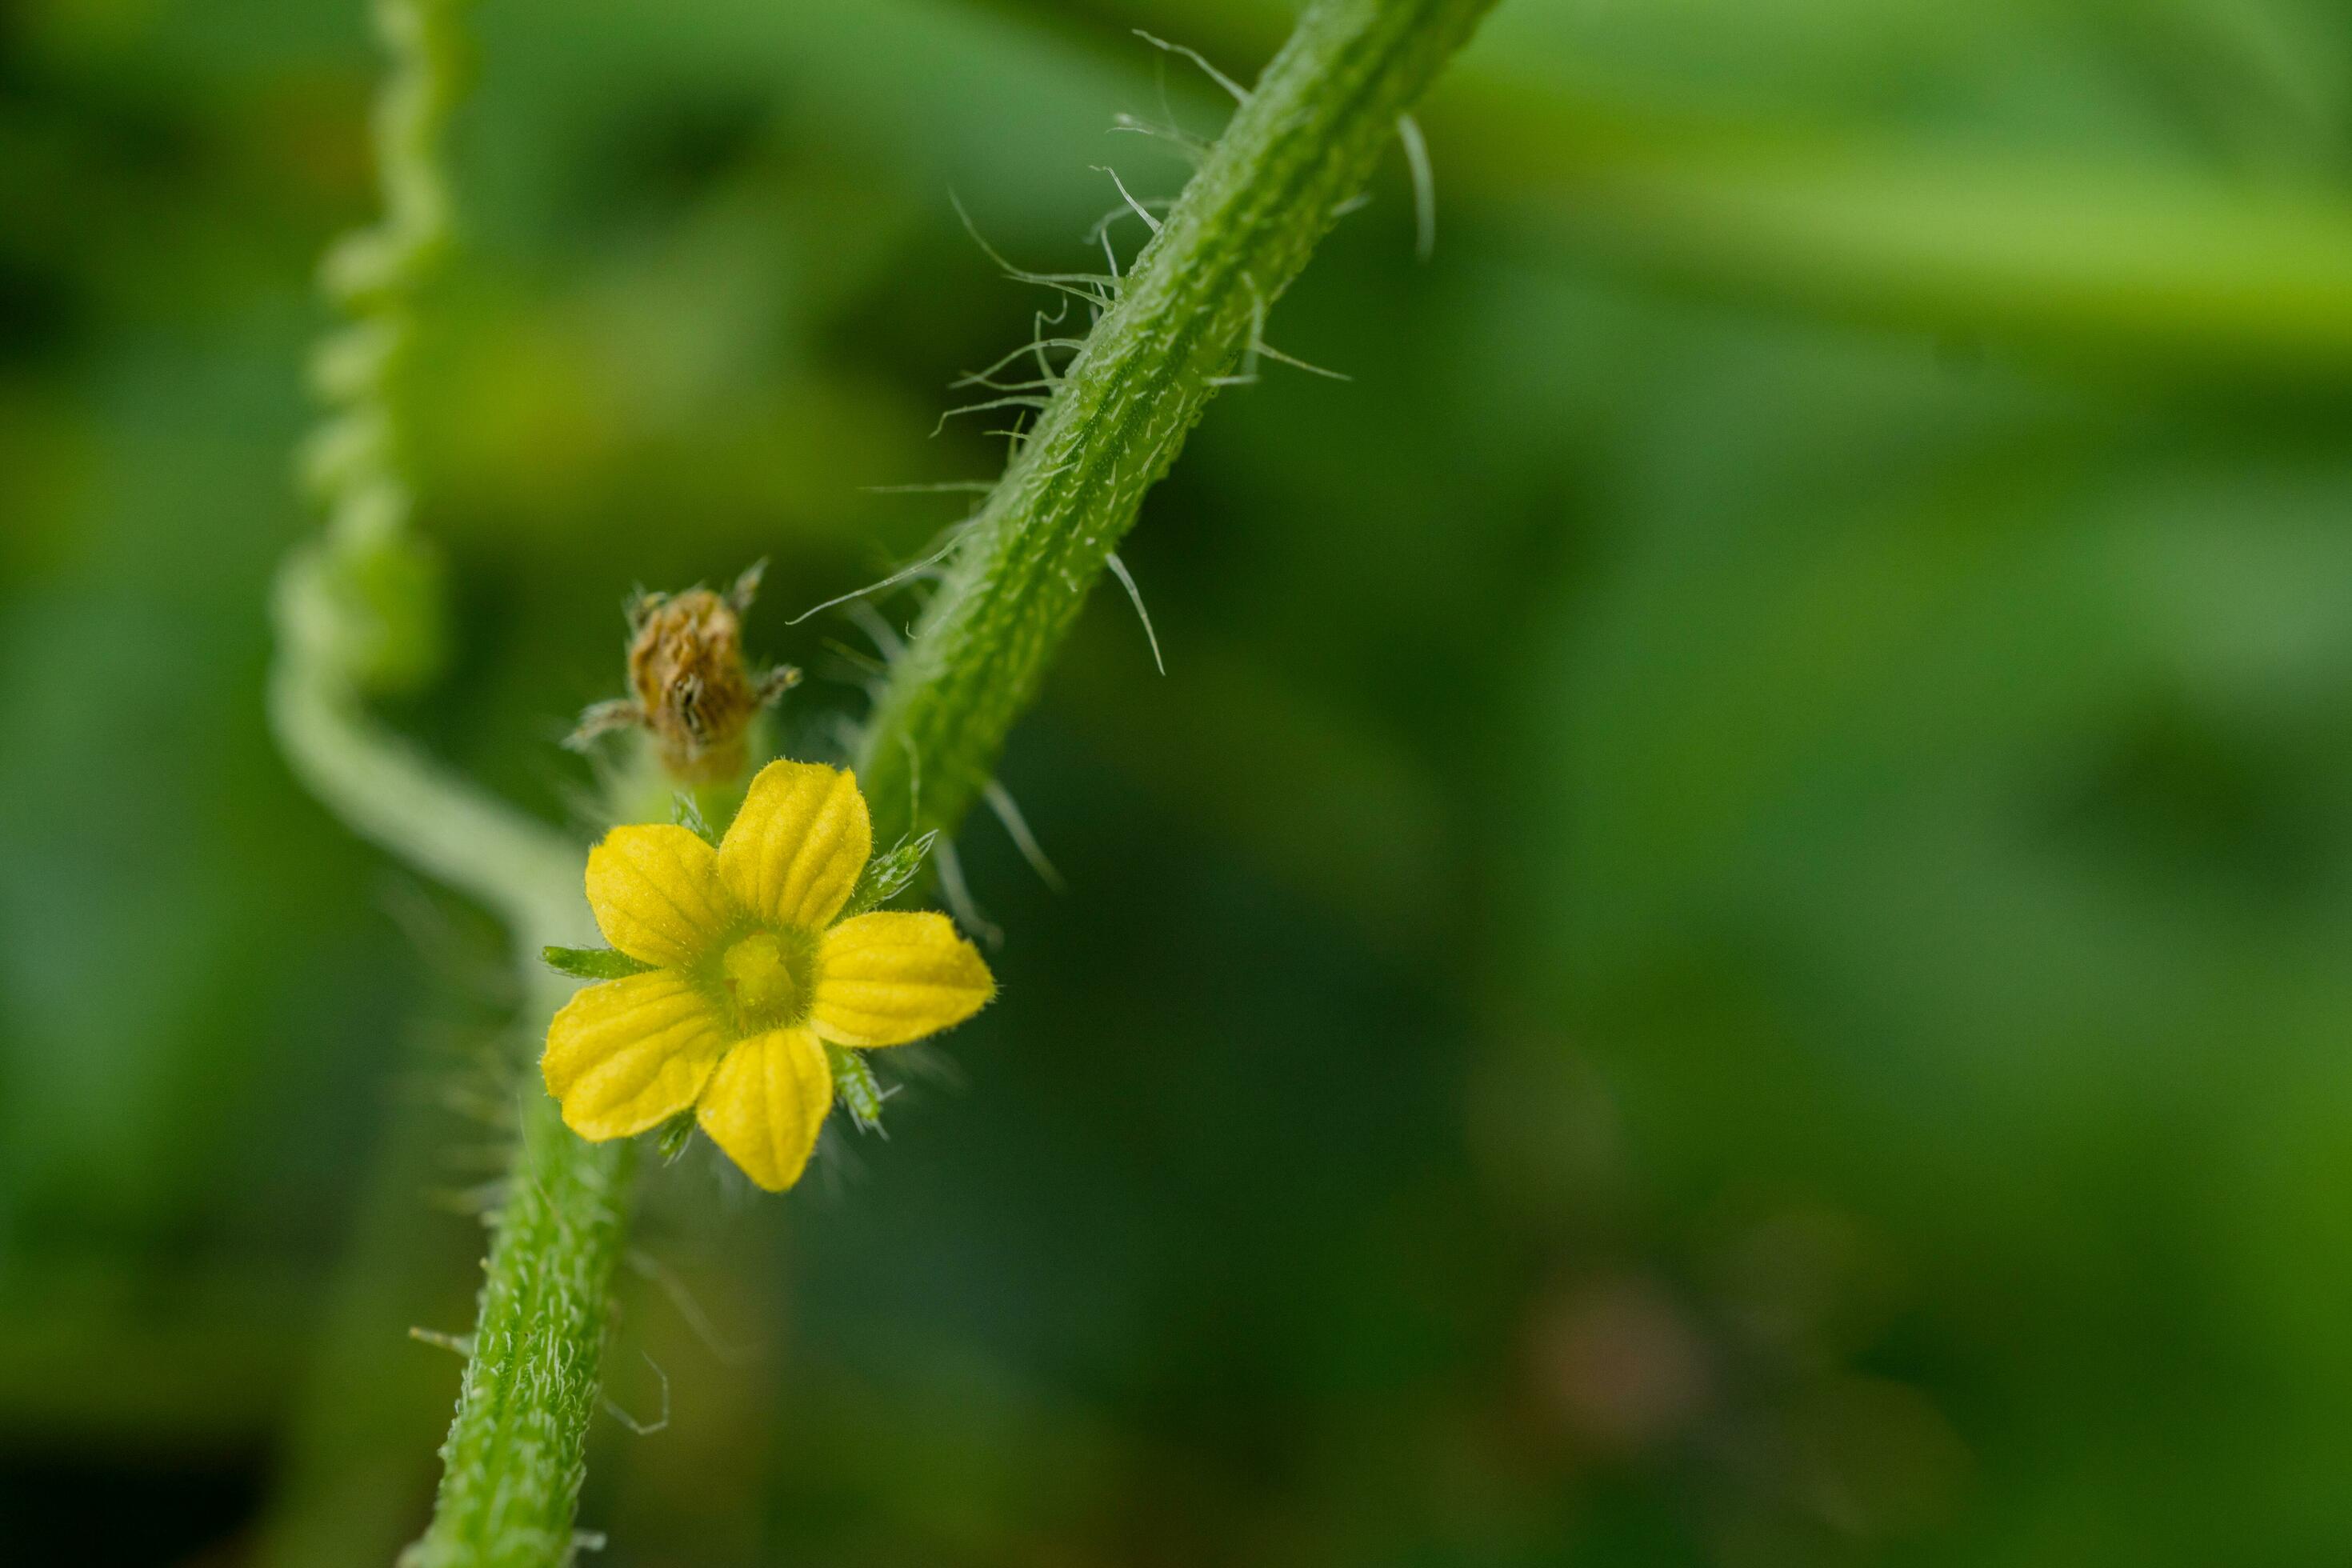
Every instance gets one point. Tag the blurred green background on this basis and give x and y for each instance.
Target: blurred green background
(1728, 942)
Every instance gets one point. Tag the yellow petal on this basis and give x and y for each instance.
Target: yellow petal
(765, 1103)
(657, 894)
(796, 848)
(888, 978)
(629, 1054)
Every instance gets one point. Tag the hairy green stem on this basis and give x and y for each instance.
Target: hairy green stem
(515, 1458)
(1189, 315)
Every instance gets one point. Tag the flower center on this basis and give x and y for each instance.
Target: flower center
(761, 983)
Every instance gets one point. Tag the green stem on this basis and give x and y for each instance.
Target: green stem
(516, 1453)
(1189, 314)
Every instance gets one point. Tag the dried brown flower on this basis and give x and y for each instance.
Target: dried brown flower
(692, 690)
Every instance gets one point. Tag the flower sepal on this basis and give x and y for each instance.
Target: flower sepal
(674, 1136)
(592, 962)
(686, 811)
(889, 874)
(855, 1085)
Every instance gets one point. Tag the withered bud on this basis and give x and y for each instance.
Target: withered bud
(691, 688)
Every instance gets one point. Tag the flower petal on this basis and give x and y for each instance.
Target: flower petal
(657, 894)
(888, 978)
(629, 1054)
(796, 848)
(765, 1103)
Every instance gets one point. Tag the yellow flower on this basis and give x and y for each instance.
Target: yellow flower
(751, 975)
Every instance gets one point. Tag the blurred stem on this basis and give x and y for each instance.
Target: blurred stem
(359, 615)
(2139, 261)
(515, 1454)
(1189, 313)
(393, 795)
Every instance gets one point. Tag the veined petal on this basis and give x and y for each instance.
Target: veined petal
(796, 848)
(888, 978)
(657, 894)
(629, 1054)
(765, 1103)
